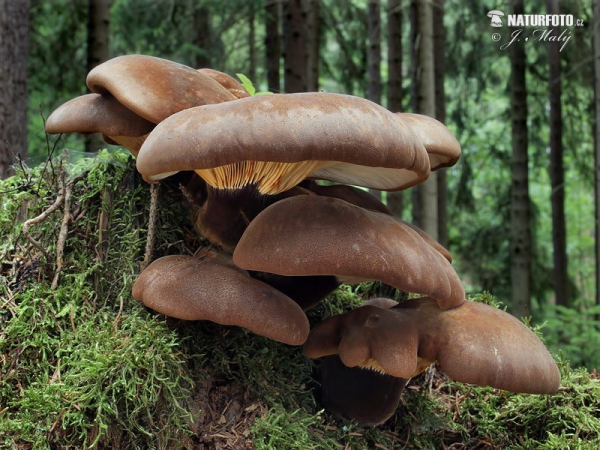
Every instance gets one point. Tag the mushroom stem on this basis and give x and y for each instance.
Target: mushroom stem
(227, 212)
(151, 225)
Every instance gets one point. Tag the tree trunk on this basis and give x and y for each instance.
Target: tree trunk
(312, 38)
(395, 200)
(374, 59)
(251, 40)
(520, 246)
(439, 39)
(557, 171)
(596, 39)
(14, 49)
(374, 51)
(295, 49)
(202, 37)
(426, 205)
(97, 52)
(272, 46)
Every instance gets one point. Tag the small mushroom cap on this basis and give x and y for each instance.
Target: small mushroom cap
(190, 288)
(313, 235)
(229, 83)
(276, 141)
(473, 343)
(95, 113)
(355, 393)
(155, 88)
(495, 12)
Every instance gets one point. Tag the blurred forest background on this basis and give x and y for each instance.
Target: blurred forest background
(517, 211)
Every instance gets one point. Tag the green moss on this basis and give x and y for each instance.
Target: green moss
(84, 365)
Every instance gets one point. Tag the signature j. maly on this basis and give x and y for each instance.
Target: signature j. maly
(541, 35)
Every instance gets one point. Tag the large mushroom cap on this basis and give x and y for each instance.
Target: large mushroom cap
(276, 141)
(313, 235)
(473, 343)
(155, 88)
(95, 113)
(207, 288)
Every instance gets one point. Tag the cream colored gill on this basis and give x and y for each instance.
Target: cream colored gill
(372, 364)
(269, 177)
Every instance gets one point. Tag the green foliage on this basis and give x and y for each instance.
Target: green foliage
(249, 86)
(575, 333)
(279, 428)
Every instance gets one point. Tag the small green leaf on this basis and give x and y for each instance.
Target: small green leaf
(246, 83)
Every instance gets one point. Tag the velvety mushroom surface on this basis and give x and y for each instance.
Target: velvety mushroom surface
(473, 343)
(133, 93)
(155, 88)
(210, 288)
(95, 113)
(313, 235)
(276, 141)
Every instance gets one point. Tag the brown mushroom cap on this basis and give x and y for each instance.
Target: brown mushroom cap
(365, 200)
(276, 141)
(155, 88)
(441, 145)
(190, 288)
(313, 235)
(473, 343)
(229, 83)
(95, 113)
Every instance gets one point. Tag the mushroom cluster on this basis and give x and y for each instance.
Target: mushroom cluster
(280, 241)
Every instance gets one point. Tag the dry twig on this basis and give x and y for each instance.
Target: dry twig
(151, 225)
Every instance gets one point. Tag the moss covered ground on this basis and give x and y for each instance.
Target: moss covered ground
(83, 365)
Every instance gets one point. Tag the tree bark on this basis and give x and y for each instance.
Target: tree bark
(596, 42)
(374, 51)
(520, 245)
(295, 48)
(201, 38)
(251, 41)
(97, 52)
(395, 200)
(557, 171)
(313, 44)
(425, 206)
(439, 39)
(14, 50)
(272, 44)
(374, 59)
